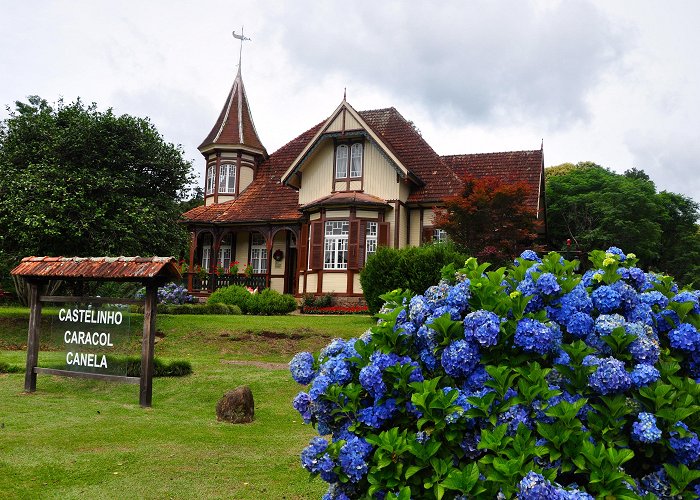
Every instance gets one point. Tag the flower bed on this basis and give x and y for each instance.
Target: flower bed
(532, 381)
(335, 310)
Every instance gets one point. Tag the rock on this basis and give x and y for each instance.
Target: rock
(236, 406)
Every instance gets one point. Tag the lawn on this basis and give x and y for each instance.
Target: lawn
(78, 438)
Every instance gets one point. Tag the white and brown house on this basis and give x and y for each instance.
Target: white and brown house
(307, 216)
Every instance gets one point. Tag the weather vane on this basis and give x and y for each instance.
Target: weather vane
(242, 39)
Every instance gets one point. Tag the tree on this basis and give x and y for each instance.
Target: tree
(489, 218)
(76, 181)
(597, 208)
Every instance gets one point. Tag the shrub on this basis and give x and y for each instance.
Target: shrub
(410, 268)
(524, 381)
(8, 368)
(267, 302)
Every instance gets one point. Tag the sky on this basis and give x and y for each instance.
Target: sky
(613, 82)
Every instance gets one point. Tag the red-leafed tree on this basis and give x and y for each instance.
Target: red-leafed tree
(490, 218)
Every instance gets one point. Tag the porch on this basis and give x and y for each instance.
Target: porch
(203, 284)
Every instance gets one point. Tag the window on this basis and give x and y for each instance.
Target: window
(356, 160)
(348, 158)
(225, 257)
(439, 235)
(206, 257)
(227, 178)
(336, 245)
(258, 254)
(341, 162)
(370, 239)
(210, 179)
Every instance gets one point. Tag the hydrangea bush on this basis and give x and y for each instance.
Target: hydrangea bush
(172, 293)
(532, 381)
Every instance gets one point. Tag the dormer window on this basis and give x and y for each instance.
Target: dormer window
(348, 159)
(227, 178)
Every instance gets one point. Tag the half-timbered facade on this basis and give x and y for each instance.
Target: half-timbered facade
(307, 216)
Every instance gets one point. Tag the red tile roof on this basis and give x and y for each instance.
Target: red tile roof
(350, 198)
(417, 156)
(108, 268)
(235, 122)
(266, 198)
(509, 166)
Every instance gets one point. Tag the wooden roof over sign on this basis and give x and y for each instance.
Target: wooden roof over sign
(98, 268)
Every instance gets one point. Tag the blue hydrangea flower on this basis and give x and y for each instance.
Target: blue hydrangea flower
(530, 255)
(316, 461)
(634, 276)
(628, 296)
(534, 336)
(686, 449)
(337, 370)
(656, 483)
(666, 320)
(644, 429)
(371, 380)
(535, 487)
(645, 348)
(547, 284)
(688, 296)
(685, 338)
(460, 358)
(618, 252)
(476, 379)
(353, 458)
(642, 313)
(606, 299)
(302, 367)
(580, 324)
(458, 297)
(610, 377)
(654, 298)
(643, 374)
(514, 416)
(418, 309)
(302, 403)
(437, 294)
(588, 277)
(527, 288)
(483, 327)
(606, 323)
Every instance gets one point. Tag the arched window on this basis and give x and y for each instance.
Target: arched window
(227, 178)
(341, 162)
(356, 160)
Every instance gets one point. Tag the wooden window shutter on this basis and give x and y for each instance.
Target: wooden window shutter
(354, 245)
(316, 249)
(302, 244)
(361, 244)
(427, 234)
(383, 234)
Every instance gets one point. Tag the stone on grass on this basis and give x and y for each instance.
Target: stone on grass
(236, 406)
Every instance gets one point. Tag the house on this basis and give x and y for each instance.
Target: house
(307, 216)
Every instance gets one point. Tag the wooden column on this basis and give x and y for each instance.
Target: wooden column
(193, 249)
(147, 345)
(33, 337)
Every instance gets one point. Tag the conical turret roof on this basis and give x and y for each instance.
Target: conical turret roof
(235, 126)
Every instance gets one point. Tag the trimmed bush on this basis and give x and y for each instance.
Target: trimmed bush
(267, 302)
(410, 268)
(531, 381)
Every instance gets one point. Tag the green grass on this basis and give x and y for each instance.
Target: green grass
(78, 438)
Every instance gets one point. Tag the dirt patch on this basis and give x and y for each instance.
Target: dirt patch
(257, 364)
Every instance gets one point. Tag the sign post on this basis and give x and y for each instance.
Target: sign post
(86, 331)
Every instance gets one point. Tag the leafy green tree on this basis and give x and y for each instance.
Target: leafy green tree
(597, 208)
(76, 181)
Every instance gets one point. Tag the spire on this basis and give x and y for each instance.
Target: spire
(235, 126)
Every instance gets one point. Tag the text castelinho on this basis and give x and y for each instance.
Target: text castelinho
(91, 316)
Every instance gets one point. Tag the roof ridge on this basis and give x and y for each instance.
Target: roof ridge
(492, 153)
